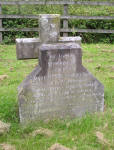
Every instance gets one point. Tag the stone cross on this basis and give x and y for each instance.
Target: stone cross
(59, 87)
(49, 26)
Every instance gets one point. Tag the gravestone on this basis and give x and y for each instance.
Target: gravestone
(59, 87)
(28, 48)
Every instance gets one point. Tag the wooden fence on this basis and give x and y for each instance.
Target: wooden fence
(65, 17)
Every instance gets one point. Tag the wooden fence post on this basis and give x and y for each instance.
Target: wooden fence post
(65, 21)
(0, 24)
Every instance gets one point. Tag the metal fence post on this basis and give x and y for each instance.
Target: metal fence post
(0, 24)
(65, 21)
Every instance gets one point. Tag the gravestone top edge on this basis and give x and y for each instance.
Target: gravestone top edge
(27, 40)
(70, 38)
(59, 46)
(35, 40)
(49, 15)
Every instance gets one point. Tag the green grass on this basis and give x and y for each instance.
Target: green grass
(80, 133)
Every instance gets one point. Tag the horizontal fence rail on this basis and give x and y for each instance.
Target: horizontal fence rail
(62, 30)
(87, 30)
(57, 3)
(65, 17)
(62, 17)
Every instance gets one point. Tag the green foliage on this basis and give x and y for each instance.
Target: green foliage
(93, 24)
(10, 36)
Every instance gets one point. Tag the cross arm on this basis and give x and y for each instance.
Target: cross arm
(27, 48)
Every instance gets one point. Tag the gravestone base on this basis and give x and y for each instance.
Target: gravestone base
(60, 87)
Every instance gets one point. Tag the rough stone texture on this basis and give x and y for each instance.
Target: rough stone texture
(60, 86)
(4, 128)
(58, 147)
(49, 27)
(28, 48)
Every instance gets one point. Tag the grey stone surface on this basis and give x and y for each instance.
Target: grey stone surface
(49, 27)
(28, 48)
(60, 86)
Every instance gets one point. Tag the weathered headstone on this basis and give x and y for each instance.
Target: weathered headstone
(60, 86)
